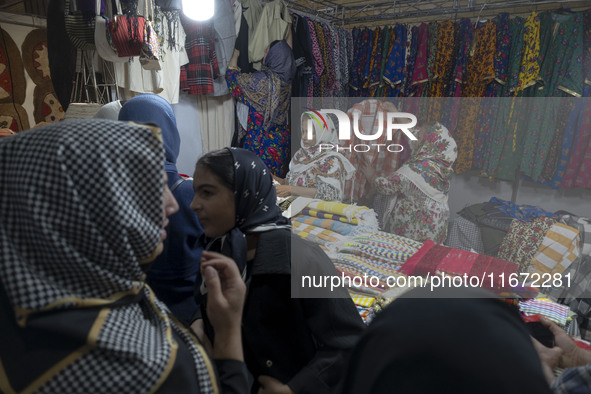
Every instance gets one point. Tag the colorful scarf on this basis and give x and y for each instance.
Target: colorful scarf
(430, 165)
(269, 90)
(319, 161)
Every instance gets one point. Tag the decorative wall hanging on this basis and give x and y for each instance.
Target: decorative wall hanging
(35, 56)
(13, 117)
(12, 75)
(47, 106)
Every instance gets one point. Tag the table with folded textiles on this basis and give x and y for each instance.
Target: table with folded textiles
(350, 236)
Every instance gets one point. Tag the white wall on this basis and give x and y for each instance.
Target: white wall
(187, 120)
(468, 189)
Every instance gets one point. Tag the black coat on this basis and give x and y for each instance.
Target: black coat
(303, 342)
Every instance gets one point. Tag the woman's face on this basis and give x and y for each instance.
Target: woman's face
(308, 142)
(213, 202)
(169, 207)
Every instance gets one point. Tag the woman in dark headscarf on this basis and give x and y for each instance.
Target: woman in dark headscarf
(266, 94)
(290, 344)
(172, 275)
(74, 238)
(460, 341)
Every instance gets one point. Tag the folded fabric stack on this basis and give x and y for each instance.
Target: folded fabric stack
(332, 224)
(558, 250)
(364, 306)
(547, 308)
(523, 240)
(379, 255)
(482, 228)
(365, 218)
(431, 259)
(321, 236)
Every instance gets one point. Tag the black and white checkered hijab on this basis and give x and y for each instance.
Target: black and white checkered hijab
(80, 206)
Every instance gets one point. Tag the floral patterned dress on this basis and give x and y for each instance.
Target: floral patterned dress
(418, 206)
(270, 143)
(326, 174)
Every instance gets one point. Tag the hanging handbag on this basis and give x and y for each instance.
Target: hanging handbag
(102, 37)
(80, 25)
(150, 54)
(127, 33)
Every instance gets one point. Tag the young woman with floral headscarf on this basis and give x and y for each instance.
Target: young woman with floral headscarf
(418, 206)
(317, 170)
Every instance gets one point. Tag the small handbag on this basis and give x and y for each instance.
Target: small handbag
(103, 40)
(127, 33)
(150, 54)
(80, 26)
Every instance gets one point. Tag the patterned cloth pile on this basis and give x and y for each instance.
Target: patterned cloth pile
(432, 259)
(547, 308)
(333, 224)
(364, 305)
(378, 254)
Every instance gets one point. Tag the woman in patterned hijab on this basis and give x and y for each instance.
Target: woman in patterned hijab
(318, 169)
(83, 206)
(418, 190)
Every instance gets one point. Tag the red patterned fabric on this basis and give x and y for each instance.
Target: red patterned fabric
(436, 260)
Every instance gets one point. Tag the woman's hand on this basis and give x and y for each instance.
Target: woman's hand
(550, 358)
(572, 355)
(281, 181)
(225, 300)
(271, 385)
(234, 60)
(369, 172)
(283, 190)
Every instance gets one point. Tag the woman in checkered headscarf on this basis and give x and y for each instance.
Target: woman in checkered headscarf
(83, 206)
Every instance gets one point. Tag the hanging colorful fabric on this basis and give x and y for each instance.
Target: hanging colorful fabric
(80, 24)
(150, 54)
(127, 33)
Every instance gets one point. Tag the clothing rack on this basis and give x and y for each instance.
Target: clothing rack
(314, 16)
(364, 12)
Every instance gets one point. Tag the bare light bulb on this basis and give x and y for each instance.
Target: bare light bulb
(199, 10)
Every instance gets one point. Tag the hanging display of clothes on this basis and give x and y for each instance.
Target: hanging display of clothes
(542, 55)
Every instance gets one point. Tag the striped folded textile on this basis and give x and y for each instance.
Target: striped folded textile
(361, 300)
(559, 248)
(556, 312)
(329, 224)
(390, 241)
(380, 255)
(363, 266)
(364, 217)
(315, 234)
(326, 215)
